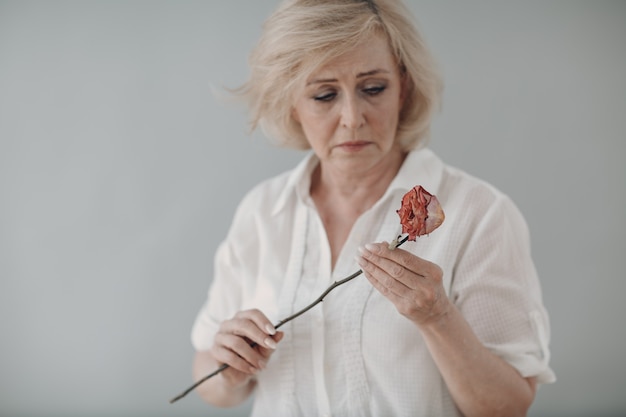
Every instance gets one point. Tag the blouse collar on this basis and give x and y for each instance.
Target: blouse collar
(421, 167)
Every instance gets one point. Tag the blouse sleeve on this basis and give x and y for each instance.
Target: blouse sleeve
(222, 302)
(496, 288)
(227, 290)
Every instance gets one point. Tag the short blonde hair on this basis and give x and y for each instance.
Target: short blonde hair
(304, 31)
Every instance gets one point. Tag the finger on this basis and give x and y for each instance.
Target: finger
(422, 268)
(387, 272)
(415, 304)
(228, 343)
(387, 287)
(224, 355)
(260, 319)
(385, 284)
(263, 323)
(410, 261)
(245, 327)
(266, 352)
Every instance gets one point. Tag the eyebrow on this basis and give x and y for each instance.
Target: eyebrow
(359, 75)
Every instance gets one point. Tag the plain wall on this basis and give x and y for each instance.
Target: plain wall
(120, 170)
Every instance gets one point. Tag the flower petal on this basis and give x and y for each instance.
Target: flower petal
(420, 212)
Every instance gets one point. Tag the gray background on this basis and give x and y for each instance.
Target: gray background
(120, 169)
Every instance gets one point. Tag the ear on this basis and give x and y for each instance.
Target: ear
(405, 87)
(294, 114)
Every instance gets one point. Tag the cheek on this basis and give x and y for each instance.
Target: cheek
(305, 115)
(317, 133)
(316, 125)
(386, 124)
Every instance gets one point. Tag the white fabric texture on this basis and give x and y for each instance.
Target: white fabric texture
(354, 354)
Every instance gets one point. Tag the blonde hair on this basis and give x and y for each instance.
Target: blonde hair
(304, 31)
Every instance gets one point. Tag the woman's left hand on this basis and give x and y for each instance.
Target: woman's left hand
(412, 284)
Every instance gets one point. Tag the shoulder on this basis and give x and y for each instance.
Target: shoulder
(457, 183)
(272, 194)
(470, 201)
(266, 193)
(271, 203)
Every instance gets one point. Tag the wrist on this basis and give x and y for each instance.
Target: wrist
(440, 317)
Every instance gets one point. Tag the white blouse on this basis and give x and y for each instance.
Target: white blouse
(354, 354)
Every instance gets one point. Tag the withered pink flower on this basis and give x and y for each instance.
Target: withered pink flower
(420, 212)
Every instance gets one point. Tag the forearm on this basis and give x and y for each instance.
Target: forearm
(481, 383)
(216, 390)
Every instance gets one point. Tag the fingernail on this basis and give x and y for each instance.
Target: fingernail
(270, 329)
(371, 247)
(270, 343)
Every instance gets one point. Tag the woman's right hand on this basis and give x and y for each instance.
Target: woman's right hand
(245, 343)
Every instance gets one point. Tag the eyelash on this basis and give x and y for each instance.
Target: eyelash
(371, 91)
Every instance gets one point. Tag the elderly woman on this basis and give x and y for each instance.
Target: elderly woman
(450, 325)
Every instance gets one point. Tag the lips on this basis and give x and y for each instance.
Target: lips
(354, 145)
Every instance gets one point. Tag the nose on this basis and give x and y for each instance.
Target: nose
(352, 114)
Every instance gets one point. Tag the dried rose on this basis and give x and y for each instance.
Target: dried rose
(420, 212)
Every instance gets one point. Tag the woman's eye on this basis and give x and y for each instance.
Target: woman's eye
(372, 91)
(325, 97)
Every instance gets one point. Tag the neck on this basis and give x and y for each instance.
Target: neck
(357, 189)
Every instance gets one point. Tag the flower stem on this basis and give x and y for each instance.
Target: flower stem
(286, 320)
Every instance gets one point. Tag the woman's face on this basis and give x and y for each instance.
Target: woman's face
(349, 108)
